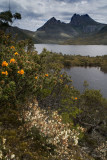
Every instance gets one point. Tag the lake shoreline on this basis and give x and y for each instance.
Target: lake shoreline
(94, 77)
(82, 68)
(84, 50)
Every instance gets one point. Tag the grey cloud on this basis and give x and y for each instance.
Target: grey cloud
(67, 13)
(68, 1)
(16, 7)
(32, 14)
(103, 7)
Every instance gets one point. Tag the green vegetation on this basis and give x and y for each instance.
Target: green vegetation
(6, 21)
(42, 116)
(78, 60)
(93, 39)
(8, 18)
(25, 77)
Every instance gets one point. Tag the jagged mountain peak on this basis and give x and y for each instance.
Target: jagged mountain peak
(53, 20)
(79, 20)
(79, 24)
(78, 15)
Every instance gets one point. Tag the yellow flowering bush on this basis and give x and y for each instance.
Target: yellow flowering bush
(16, 92)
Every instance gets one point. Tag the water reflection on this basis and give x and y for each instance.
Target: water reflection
(95, 78)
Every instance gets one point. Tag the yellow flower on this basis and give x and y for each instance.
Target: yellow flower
(12, 60)
(16, 53)
(21, 71)
(4, 63)
(46, 75)
(12, 47)
(76, 98)
(36, 77)
(5, 73)
(61, 75)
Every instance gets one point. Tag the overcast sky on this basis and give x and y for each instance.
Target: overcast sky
(36, 12)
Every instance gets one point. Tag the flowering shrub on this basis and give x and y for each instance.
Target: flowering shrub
(28, 132)
(17, 89)
(59, 135)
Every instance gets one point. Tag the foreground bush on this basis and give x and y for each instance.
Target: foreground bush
(28, 132)
(18, 86)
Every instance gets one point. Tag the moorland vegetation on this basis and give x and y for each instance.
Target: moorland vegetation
(42, 116)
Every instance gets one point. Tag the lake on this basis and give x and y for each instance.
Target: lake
(84, 50)
(95, 78)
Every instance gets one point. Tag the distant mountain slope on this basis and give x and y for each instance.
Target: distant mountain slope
(80, 26)
(22, 34)
(103, 30)
(94, 39)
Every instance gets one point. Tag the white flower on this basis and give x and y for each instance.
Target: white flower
(1, 155)
(4, 140)
(12, 156)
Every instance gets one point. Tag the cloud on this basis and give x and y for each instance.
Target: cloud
(69, 1)
(36, 12)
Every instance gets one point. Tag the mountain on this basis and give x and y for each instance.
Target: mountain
(51, 22)
(85, 23)
(103, 30)
(22, 34)
(80, 26)
(55, 31)
(82, 20)
(81, 29)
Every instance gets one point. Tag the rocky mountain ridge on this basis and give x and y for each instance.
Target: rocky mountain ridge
(55, 31)
(81, 29)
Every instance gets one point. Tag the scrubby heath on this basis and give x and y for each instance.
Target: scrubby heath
(42, 116)
(67, 60)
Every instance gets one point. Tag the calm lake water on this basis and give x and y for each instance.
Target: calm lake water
(95, 78)
(84, 50)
